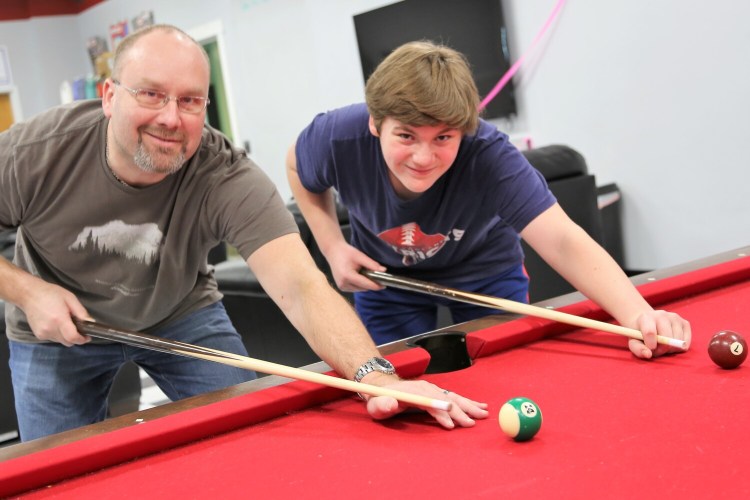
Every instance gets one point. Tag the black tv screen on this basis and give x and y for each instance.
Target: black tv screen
(475, 28)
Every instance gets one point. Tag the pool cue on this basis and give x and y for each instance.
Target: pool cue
(154, 343)
(509, 306)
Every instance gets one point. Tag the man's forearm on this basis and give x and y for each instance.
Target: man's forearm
(333, 330)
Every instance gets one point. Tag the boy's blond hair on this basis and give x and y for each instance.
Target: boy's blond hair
(423, 83)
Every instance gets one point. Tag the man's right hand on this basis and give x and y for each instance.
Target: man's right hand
(49, 309)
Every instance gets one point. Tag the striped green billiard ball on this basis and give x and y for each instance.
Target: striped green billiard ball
(520, 418)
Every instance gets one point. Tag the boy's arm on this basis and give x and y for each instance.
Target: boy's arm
(319, 211)
(592, 271)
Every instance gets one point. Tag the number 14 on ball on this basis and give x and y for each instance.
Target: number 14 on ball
(520, 418)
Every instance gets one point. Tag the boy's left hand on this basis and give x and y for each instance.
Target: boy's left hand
(664, 323)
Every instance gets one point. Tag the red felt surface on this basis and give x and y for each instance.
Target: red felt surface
(99, 451)
(614, 427)
(658, 293)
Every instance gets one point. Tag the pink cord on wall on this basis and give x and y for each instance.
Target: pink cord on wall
(514, 68)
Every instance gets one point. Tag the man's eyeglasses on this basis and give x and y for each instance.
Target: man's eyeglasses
(156, 99)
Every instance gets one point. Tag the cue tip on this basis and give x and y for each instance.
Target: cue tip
(677, 343)
(439, 404)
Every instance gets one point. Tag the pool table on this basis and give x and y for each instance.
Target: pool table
(613, 426)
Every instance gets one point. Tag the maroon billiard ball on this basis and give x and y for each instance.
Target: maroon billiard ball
(727, 349)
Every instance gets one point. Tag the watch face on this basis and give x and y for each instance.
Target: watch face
(377, 364)
(384, 363)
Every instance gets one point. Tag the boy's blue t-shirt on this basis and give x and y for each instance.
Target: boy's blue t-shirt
(464, 228)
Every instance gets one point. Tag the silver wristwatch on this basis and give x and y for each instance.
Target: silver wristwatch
(374, 365)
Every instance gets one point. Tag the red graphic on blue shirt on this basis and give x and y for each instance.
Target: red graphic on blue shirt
(409, 240)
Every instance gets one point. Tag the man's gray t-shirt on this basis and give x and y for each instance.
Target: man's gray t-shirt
(135, 257)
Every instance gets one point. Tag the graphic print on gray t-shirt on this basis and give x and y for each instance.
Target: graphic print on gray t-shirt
(137, 242)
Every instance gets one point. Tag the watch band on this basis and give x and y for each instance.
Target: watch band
(374, 365)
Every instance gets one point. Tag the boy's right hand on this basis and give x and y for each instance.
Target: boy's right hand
(345, 262)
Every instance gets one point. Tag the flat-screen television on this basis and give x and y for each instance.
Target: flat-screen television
(475, 28)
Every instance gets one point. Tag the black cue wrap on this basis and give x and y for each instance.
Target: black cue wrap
(138, 339)
(414, 285)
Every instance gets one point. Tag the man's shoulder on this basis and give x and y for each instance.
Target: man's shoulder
(66, 119)
(217, 150)
(218, 162)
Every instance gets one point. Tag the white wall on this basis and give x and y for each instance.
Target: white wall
(43, 53)
(654, 94)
